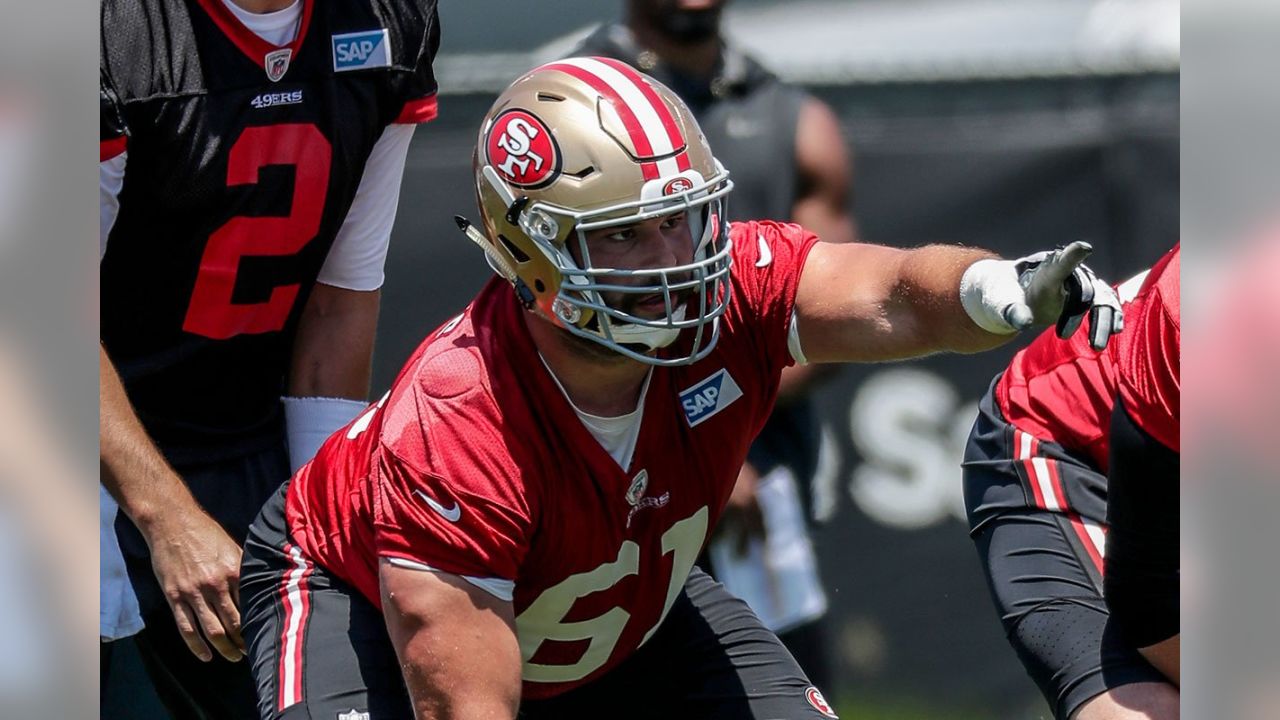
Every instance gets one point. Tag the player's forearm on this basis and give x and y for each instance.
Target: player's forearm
(436, 697)
(333, 349)
(133, 470)
(859, 302)
(925, 301)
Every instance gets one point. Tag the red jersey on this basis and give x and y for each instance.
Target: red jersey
(1064, 390)
(476, 464)
(1148, 355)
(1235, 401)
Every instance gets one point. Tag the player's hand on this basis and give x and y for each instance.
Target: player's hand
(198, 567)
(742, 519)
(1059, 288)
(1053, 287)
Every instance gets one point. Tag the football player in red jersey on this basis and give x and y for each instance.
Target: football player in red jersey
(1073, 459)
(512, 528)
(250, 166)
(1141, 576)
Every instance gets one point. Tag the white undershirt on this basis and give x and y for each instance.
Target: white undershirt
(359, 252)
(278, 28)
(617, 435)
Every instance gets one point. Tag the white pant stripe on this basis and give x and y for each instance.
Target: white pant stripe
(294, 616)
(1043, 481)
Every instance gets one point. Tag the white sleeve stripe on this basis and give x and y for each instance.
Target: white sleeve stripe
(110, 180)
(359, 253)
(497, 587)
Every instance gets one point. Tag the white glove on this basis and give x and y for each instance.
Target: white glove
(1005, 296)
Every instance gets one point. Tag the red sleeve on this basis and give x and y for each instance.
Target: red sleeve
(767, 260)
(108, 149)
(1148, 361)
(445, 523)
(417, 111)
(446, 492)
(113, 134)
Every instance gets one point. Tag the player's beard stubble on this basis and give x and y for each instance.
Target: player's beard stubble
(633, 305)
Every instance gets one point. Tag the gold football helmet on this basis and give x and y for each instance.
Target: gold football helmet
(588, 143)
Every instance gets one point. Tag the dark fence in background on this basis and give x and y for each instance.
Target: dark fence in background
(1013, 166)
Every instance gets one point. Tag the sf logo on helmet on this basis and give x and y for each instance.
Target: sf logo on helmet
(678, 185)
(522, 149)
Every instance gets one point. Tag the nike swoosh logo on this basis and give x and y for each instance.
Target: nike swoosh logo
(451, 514)
(766, 253)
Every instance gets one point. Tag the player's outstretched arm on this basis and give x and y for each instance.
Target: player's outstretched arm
(456, 643)
(869, 303)
(196, 562)
(866, 303)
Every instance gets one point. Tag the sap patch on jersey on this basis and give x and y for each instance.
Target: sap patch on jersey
(709, 397)
(361, 50)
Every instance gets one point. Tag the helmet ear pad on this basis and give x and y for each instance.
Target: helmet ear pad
(589, 143)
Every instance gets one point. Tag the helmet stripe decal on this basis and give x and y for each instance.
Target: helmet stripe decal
(629, 119)
(664, 112)
(653, 113)
(641, 116)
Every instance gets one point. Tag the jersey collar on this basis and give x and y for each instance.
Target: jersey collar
(254, 47)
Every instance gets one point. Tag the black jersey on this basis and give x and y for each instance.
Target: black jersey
(243, 160)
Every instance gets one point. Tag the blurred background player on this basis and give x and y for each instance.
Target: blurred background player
(1041, 498)
(251, 159)
(1142, 566)
(512, 528)
(787, 157)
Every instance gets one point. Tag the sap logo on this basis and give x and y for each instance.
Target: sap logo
(709, 397)
(266, 100)
(361, 50)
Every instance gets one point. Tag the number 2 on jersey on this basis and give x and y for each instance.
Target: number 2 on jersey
(212, 312)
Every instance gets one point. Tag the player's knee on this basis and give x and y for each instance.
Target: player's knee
(1138, 701)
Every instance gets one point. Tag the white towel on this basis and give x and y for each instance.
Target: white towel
(118, 614)
(778, 577)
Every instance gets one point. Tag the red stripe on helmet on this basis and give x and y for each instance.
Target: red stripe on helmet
(629, 120)
(663, 111)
